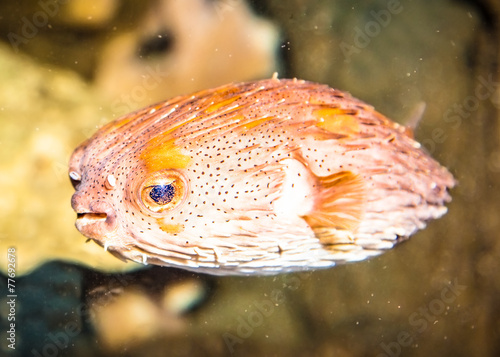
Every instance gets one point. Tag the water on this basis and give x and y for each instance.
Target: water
(67, 69)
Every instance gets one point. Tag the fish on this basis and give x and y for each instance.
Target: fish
(255, 178)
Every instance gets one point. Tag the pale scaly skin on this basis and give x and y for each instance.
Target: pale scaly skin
(271, 176)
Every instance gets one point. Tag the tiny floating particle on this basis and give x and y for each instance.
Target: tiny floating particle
(255, 178)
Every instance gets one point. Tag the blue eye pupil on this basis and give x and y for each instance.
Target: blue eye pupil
(162, 194)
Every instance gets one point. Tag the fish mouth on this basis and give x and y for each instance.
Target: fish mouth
(90, 218)
(97, 221)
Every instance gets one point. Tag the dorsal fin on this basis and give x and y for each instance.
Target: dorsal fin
(414, 118)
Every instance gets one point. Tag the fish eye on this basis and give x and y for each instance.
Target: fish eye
(162, 191)
(162, 194)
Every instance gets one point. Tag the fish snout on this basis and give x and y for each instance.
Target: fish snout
(95, 220)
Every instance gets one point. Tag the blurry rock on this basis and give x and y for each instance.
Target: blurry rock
(187, 45)
(90, 14)
(130, 319)
(183, 296)
(44, 114)
(47, 315)
(132, 309)
(61, 33)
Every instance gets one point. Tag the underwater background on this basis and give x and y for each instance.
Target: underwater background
(68, 67)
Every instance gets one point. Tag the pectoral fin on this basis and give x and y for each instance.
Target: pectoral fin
(338, 208)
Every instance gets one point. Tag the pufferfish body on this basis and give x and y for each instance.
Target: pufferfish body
(255, 178)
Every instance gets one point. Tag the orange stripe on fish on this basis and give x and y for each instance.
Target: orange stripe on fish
(337, 121)
(217, 105)
(162, 154)
(169, 228)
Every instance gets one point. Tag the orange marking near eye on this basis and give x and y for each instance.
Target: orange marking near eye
(169, 228)
(164, 154)
(337, 121)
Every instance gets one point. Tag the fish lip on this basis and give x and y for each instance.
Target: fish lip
(97, 221)
(90, 217)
